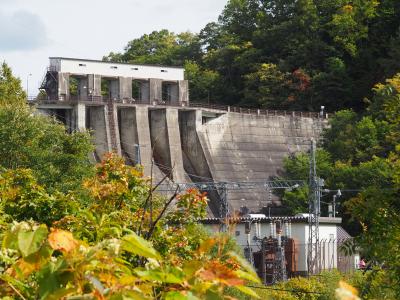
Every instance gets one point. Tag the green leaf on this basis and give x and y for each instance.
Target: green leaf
(175, 295)
(191, 267)
(137, 245)
(248, 276)
(10, 240)
(129, 295)
(51, 278)
(158, 275)
(30, 242)
(60, 294)
(248, 291)
(244, 263)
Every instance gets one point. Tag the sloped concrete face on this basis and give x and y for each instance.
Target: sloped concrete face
(97, 122)
(195, 162)
(159, 140)
(198, 145)
(135, 129)
(250, 148)
(128, 134)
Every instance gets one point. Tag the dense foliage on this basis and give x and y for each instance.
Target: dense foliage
(283, 54)
(111, 239)
(11, 92)
(360, 156)
(27, 140)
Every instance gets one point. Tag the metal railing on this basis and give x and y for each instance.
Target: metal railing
(217, 107)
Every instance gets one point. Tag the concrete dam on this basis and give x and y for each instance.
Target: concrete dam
(171, 137)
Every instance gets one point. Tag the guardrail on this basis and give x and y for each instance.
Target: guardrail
(219, 107)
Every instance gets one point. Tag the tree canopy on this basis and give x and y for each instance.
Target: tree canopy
(283, 54)
(360, 154)
(11, 92)
(29, 140)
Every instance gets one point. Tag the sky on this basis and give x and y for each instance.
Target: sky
(33, 30)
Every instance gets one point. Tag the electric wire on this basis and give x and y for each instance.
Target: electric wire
(212, 181)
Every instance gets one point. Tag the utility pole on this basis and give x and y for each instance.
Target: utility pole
(314, 211)
(224, 207)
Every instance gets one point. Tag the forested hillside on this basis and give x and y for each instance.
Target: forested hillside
(283, 54)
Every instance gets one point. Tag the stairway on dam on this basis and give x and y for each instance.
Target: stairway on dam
(197, 144)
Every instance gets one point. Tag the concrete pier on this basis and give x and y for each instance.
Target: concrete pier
(196, 144)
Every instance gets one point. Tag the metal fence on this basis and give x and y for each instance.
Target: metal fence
(334, 254)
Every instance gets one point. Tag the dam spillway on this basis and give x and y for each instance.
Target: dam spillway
(143, 113)
(191, 144)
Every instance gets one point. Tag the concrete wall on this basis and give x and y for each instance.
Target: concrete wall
(160, 141)
(194, 161)
(155, 89)
(128, 133)
(97, 122)
(135, 127)
(94, 85)
(175, 145)
(125, 87)
(78, 120)
(63, 85)
(183, 91)
(243, 147)
(208, 145)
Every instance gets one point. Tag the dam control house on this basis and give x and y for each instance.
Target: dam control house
(69, 79)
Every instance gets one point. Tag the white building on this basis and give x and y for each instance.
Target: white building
(251, 230)
(73, 79)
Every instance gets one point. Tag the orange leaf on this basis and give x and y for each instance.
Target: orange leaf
(62, 240)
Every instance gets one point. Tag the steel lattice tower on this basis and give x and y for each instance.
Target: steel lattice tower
(314, 210)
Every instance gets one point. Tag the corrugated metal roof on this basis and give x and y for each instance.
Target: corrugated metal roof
(293, 219)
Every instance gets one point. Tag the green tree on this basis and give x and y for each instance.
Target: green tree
(160, 47)
(203, 82)
(28, 140)
(11, 92)
(340, 49)
(363, 155)
(24, 199)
